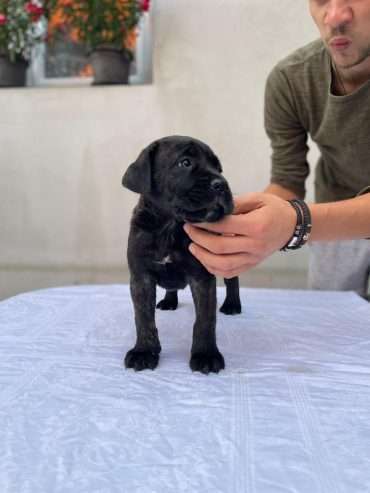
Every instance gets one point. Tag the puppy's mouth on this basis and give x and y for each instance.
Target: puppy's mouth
(205, 214)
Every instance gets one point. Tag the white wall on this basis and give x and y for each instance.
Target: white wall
(64, 216)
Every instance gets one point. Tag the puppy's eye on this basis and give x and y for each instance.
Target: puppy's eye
(184, 163)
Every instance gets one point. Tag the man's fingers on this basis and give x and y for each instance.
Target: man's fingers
(247, 203)
(230, 273)
(218, 244)
(224, 265)
(238, 221)
(232, 224)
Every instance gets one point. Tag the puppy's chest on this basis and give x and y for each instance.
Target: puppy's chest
(169, 264)
(170, 259)
(165, 260)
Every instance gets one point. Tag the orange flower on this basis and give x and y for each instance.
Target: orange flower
(129, 41)
(108, 17)
(57, 20)
(87, 71)
(75, 35)
(112, 23)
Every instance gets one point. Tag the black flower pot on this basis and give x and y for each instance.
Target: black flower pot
(110, 66)
(12, 74)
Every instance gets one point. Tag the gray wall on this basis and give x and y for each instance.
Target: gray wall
(64, 217)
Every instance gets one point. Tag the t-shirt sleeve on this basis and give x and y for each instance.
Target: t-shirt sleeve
(288, 138)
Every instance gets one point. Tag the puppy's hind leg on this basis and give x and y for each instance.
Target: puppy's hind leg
(145, 353)
(231, 305)
(169, 302)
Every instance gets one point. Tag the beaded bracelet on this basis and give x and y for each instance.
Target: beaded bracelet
(303, 227)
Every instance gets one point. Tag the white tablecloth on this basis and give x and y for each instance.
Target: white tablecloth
(291, 412)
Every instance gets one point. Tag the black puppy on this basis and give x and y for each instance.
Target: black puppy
(179, 179)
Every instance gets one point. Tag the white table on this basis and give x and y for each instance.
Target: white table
(291, 412)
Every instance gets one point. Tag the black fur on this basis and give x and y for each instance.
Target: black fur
(179, 179)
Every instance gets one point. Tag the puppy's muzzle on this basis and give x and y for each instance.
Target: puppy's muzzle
(219, 186)
(223, 201)
(218, 203)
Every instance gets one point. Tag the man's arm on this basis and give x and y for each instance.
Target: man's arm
(346, 219)
(343, 220)
(282, 192)
(288, 138)
(263, 223)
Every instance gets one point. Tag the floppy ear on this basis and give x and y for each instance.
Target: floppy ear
(138, 176)
(218, 163)
(213, 158)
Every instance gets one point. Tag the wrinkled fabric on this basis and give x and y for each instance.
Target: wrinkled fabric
(290, 414)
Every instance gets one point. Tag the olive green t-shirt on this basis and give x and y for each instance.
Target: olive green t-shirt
(298, 102)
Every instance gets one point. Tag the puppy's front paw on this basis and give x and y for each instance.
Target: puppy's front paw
(231, 308)
(205, 362)
(141, 360)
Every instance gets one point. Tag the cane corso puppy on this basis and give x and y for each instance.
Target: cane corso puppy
(179, 179)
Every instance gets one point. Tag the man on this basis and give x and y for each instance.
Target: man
(323, 90)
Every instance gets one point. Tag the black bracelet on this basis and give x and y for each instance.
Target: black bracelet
(303, 227)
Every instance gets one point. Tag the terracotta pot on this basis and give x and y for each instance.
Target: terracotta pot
(12, 74)
(110, 66)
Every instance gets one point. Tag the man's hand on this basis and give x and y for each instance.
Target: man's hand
(261, 224)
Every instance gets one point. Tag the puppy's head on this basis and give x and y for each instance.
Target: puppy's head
(182, 176)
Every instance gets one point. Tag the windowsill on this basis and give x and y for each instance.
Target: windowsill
(76, 84)
(134, 80)
(68, 82)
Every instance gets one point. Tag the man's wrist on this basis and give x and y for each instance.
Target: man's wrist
(302, 228)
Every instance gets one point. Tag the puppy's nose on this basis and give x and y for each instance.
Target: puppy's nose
(218, 185)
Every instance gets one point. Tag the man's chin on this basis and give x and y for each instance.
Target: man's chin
(348, 59)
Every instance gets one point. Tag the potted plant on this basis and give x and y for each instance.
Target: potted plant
(107, 27)
(20, 29)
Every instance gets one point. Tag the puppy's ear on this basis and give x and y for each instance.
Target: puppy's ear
(213, 158)
(138, 176)
(217, 163)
